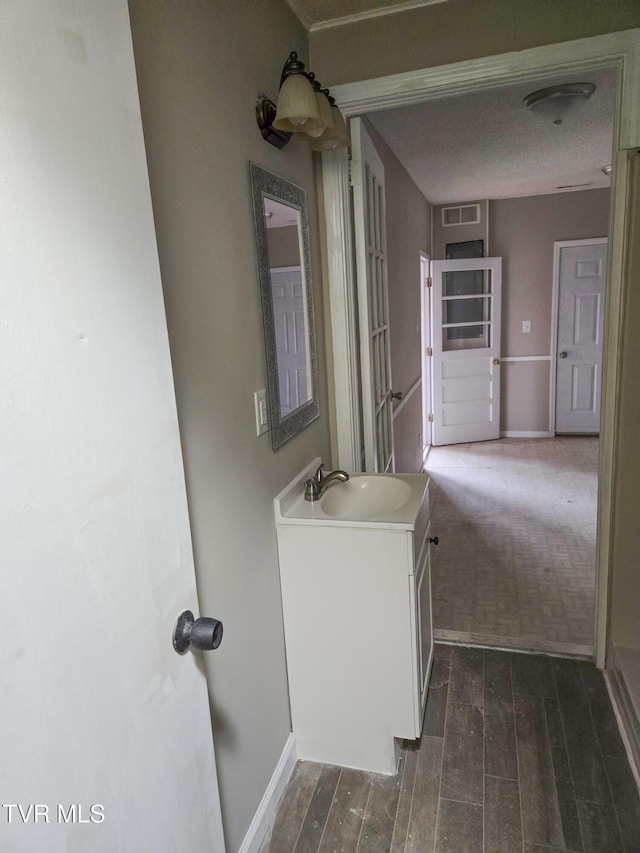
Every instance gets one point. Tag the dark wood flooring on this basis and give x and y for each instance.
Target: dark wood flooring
(519, 754)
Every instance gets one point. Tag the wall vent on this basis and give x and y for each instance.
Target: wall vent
(462, 214)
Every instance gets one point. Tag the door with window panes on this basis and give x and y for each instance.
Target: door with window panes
(367, 174)
(466, 349)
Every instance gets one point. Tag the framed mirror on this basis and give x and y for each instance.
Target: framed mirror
(284, 264)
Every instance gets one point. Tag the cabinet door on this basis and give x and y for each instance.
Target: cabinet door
(424, 623)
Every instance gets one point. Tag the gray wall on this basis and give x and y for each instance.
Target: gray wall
(200, 68)
(459, 30)
(408, 220)
(522, 231)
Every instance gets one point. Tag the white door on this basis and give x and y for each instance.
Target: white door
(367, 176)
(106, 730)
(581, 269)
(289, 318)
(466, 350)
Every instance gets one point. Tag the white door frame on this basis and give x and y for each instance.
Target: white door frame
(620, 51)
(555, 307)
(425, 344)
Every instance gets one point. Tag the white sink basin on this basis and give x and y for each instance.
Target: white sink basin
(365, 497)
(365, 500)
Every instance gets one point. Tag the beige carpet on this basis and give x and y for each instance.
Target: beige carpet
(516, 520)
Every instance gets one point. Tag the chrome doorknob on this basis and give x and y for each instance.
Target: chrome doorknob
(562, 354)
(203, 633)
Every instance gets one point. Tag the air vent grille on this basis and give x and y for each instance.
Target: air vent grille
(463, 214)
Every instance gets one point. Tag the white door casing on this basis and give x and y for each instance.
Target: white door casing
(579, 293)
(426, 350)
(466, 311)
(106, 729)
(367, 178)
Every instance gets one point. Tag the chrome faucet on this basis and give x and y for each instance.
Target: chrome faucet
(317, 485)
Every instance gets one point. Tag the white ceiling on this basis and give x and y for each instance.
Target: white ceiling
(489, 145)
(318, 14)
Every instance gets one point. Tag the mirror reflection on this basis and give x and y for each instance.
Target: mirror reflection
(282, 237)
(288, 296)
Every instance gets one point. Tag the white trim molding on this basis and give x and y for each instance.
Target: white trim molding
(371, 13)
(619, 51)
(525, 433)
(264, 817)
(508, 359)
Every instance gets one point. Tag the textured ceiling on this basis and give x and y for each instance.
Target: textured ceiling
(316, 14)
(488, 145)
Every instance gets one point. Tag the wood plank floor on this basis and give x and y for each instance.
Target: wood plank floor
(519, 754)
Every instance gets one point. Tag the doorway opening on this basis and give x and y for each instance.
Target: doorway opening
(429, 84)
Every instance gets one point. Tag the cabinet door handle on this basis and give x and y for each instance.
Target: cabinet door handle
(433, 539)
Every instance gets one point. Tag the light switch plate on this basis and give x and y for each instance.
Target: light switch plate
(262, 418)
(526, 326)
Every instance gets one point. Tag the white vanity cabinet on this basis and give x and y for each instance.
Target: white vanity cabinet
(356, 599)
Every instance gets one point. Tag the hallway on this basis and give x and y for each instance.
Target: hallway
(516, 520)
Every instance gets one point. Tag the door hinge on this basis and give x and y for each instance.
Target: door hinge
(351, 173)
(429, 282)
(430, 418)
(429, 351)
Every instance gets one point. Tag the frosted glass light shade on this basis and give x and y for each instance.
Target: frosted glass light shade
(337, 137)
(327, 121)
(297, 106)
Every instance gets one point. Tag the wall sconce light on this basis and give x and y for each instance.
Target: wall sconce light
(304, 108)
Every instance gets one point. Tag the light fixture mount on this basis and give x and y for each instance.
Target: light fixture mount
(557, 102)
(265, 114)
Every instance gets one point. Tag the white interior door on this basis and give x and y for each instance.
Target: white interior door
(581, 271)
(289, 318)
(466, 349)
(367, 177)
(107, 739)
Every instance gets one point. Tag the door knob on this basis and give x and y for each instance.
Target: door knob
(396, 396)
(562, 354)
(434, 539)
(203, 633)
(496, 361)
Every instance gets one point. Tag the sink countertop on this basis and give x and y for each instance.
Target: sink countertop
(290, 507)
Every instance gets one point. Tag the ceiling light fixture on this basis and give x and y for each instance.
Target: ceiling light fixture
(304, 108)
(556, 103)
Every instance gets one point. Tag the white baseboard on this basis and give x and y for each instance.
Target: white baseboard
(266, 811)
(524, 433)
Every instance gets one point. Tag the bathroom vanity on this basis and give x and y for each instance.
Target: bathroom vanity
(356, 597)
